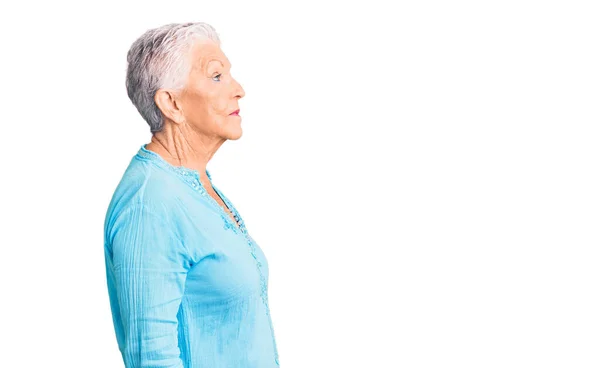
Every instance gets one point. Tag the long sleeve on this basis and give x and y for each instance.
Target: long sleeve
(150, 270)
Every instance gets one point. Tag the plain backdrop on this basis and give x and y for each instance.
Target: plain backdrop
(432, 165)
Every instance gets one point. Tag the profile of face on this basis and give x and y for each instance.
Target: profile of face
(211, 94)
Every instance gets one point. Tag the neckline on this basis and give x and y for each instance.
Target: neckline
(158, 159)
(192, 177)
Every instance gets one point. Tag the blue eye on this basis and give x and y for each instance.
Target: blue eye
(218, 75)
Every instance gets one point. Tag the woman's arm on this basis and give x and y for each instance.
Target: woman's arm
(150, 268)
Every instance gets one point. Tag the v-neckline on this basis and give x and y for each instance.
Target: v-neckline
(232, 213)
(192, 176)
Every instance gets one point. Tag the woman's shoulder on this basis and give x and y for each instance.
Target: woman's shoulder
(146, 187)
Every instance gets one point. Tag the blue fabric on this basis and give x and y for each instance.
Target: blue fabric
(187, 285)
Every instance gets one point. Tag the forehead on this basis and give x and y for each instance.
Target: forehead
(207, 53)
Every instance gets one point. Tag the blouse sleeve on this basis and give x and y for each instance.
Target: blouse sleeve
(150, 267)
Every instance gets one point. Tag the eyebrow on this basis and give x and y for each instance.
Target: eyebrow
(208, 63)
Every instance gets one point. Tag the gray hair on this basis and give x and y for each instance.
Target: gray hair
(160, 59)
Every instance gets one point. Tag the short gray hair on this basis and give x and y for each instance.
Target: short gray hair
(160, 59)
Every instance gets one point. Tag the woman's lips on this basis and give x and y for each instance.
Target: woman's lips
(236, 113)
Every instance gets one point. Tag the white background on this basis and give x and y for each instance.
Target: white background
(423, 177)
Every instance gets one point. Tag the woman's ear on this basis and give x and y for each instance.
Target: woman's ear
(170, 104)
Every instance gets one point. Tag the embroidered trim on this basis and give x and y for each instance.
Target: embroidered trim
(192, 178)
(252, 245)
(263, 282)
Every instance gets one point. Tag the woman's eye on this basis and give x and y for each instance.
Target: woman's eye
(218, 75)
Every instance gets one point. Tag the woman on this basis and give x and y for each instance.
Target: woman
(186, 281)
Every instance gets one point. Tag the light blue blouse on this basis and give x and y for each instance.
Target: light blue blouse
(187, 286)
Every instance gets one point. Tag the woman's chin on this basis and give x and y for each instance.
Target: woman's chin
(235, 133)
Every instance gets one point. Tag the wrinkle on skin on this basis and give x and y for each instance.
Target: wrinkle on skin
(197, 120)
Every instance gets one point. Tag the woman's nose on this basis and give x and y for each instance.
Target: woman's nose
(239, 90)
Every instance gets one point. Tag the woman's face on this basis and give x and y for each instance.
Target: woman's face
(211, 93)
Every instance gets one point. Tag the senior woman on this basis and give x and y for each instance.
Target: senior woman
(187, 283)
